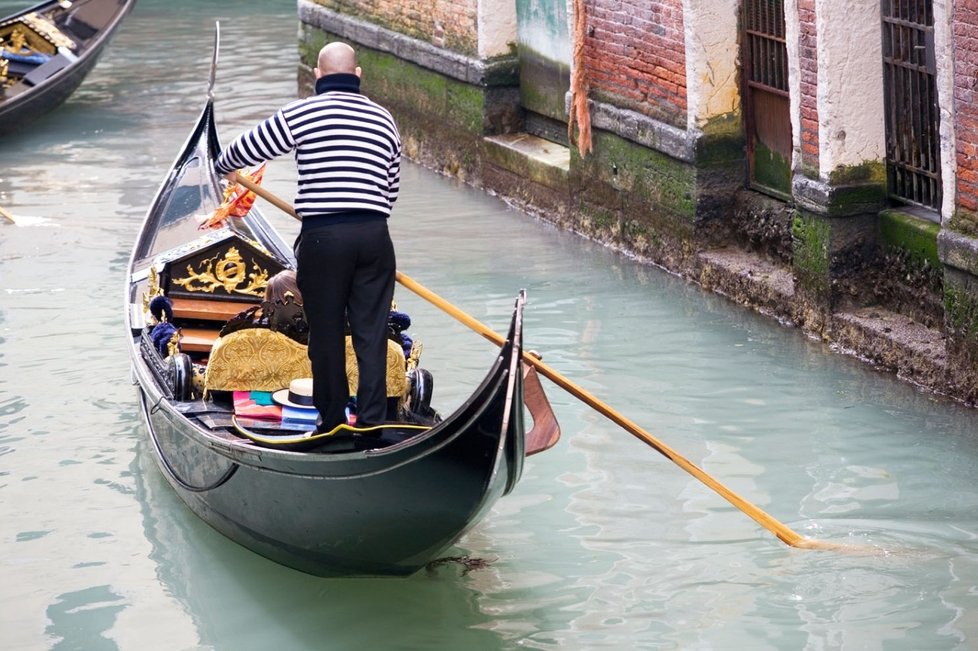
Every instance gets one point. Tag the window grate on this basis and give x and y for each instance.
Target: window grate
(766, 105)
(767, 54)
(913, 143)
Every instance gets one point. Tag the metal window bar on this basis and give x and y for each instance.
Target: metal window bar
(913, 144)
(767, 65)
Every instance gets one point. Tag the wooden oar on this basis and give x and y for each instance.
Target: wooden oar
(267, 195)
(782, 531)
(6, 215)
(779, 529)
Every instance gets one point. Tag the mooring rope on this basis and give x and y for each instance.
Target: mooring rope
(579, 87)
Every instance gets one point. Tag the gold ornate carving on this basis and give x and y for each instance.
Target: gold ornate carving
(173, 346)
(229, 273)
(152, 288)
(18, 39)
(36, 32)
(415, 356)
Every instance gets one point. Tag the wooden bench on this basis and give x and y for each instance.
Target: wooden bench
(202, 309)
(201, 339)
(198, 340)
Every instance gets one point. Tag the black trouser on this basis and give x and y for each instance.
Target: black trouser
(346, 272)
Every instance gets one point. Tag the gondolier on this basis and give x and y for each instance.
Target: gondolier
(330, 505)
(348, 152)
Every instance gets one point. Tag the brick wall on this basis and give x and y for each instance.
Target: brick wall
(636, 56)
(808, 59)
(965, 35)
(449, 24)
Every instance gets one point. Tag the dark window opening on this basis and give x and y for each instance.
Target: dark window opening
(767, 117)
(913, 141)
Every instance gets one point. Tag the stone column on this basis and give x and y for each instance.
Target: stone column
(958, 239)
(714, 123)
(839, 181)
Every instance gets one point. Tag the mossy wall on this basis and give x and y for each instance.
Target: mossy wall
(442, 120)
(961, 326)
(911, 234)
(635, 197)
(771, 169)
(810, 250)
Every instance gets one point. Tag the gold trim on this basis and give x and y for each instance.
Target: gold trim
(152, 289)
(38, 33)
(415, 356)
(173, 346)
(228, 273)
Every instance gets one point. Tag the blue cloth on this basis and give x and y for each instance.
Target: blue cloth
(34, 57)
(160, 335)
(262, 398)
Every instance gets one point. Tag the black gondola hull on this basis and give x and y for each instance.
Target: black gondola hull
(21, 105)
(385, 511)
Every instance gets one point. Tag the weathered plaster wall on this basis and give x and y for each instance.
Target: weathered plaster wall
(792, 37)
(944, 52)
(851, 128)
(496, 28)
(544, 54)
(711, 52)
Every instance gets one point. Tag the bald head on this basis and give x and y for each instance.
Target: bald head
(336, 58)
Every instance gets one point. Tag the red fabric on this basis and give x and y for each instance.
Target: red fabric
(246, 407)
(237, 201)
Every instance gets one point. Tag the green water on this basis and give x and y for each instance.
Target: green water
(604, 544)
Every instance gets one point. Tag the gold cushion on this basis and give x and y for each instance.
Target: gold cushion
(396, 370)
(255, 359)
(259, 359)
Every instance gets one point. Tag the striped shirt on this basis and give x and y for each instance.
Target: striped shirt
(347, 150)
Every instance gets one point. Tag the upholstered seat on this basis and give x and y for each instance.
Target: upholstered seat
(397, 385)
(259, 359)
(255, 359)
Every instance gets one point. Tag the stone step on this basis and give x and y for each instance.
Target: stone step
(544, 152)
(894, 342)
(889, 340)
(748, 279)
(530, 157)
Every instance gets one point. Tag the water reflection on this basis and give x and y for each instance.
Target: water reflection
(224, 588)
(80, 620)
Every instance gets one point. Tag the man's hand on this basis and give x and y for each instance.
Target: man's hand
(232, 177)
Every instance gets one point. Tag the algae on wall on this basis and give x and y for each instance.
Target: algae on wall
(545, 56)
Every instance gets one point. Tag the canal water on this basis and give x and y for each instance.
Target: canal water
(605, 544)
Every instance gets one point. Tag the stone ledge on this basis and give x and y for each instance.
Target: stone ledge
(532, 157)
(958, 251)
(890, 341)
(893, 342)
(503, 71)
(748, 279)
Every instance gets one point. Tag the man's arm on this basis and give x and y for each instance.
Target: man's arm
(265, 141)
(394, 177)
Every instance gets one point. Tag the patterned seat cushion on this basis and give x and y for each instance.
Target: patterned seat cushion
(255, 359)
(259, 359)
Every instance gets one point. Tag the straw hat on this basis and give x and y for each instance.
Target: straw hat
(298, 395)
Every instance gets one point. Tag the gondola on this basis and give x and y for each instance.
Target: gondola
(349, 504)
(47, 50)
